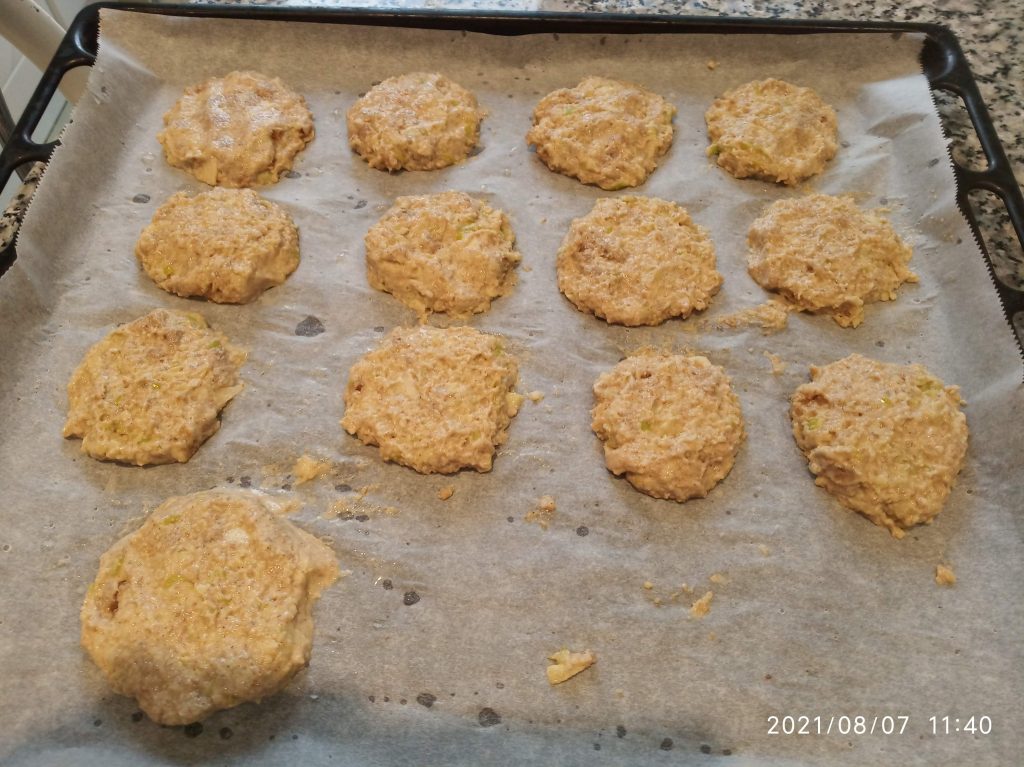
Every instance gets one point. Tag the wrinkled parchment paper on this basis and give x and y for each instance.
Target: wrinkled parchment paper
(819, 613)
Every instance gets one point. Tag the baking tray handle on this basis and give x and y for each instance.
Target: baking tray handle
(77, 49)
(947, 70)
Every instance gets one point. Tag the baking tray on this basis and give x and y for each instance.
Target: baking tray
(942, 59)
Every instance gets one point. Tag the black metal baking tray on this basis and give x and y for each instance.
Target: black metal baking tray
(942, 59)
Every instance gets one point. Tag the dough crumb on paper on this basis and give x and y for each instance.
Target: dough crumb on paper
(446, 492)
(718, 578)
(765, 550)
(772, 316)
(544, 512)
(307, 468)
(535, 396)
(711, 64)
(777, 363)
(566, 664)
(702, 606)
(944, 575)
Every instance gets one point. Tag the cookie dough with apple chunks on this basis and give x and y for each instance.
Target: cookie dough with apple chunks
(824, 254)
(415, 121)
(151, 392)
(434, 399)
(226, 245)
(772, 130)
(243, 129)
(886, 440)
(446, 252)
(669, 422)
(637, 261)
(207, 605)
(603, 132)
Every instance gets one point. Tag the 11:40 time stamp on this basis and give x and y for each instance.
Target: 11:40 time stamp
(875, 724)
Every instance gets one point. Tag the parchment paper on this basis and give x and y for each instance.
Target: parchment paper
(820, 614)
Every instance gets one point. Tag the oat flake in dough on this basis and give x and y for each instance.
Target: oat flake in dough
(415, 121)
(243, 129)
(151, 392)
(773, 130)
(886, 440)
(824, 254)
(227, 245)
(637, 261)
(604, 132)
(207, 605)
(670, 423)
(444, 252)
(434, 399)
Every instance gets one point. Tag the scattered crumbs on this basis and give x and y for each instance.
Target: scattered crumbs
(526, 267)
(566, 664)
(765, 550)
(648, 585)
(410, 598)
(702, 606)
(711, 64)
(426, 699)
(543, 513)
(141, 198)
(446, 492)
(308, 468)
(717, 578)
(686, 588)
(657, 601)
(535, 396)
(778, 366)
(944, 575)
(771, 316)
(344, 574)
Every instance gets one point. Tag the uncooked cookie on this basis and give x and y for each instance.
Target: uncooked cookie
(227, 245)
(824, 254)
(604, 132)
(434, 399)
(243, 129)
(152, 391)
(670, 423)
(637, 261)
(886, 440)
(443, 252)
(207, 605)
(416, 121)
(772, 130)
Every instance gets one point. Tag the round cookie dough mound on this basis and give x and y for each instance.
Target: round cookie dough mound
(434, 399)
(443, 252)
(207, 605)
(824, 254)
(416, 121)
(670, 423)
(637, 261)
(242, 129)
(603, 132)
(227, 245)
(886, 440)
(772, 130)
(152, 390)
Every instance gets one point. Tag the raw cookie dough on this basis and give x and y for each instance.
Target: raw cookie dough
(152, 390)
(207, 605)
(604, 132)
(227, 245)
(671, 423)
(416, 121)
(434, 399)
(772, 130)
(637, 261)
(242, 129)
(824, 254)
(886, 440)
(444, 252)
